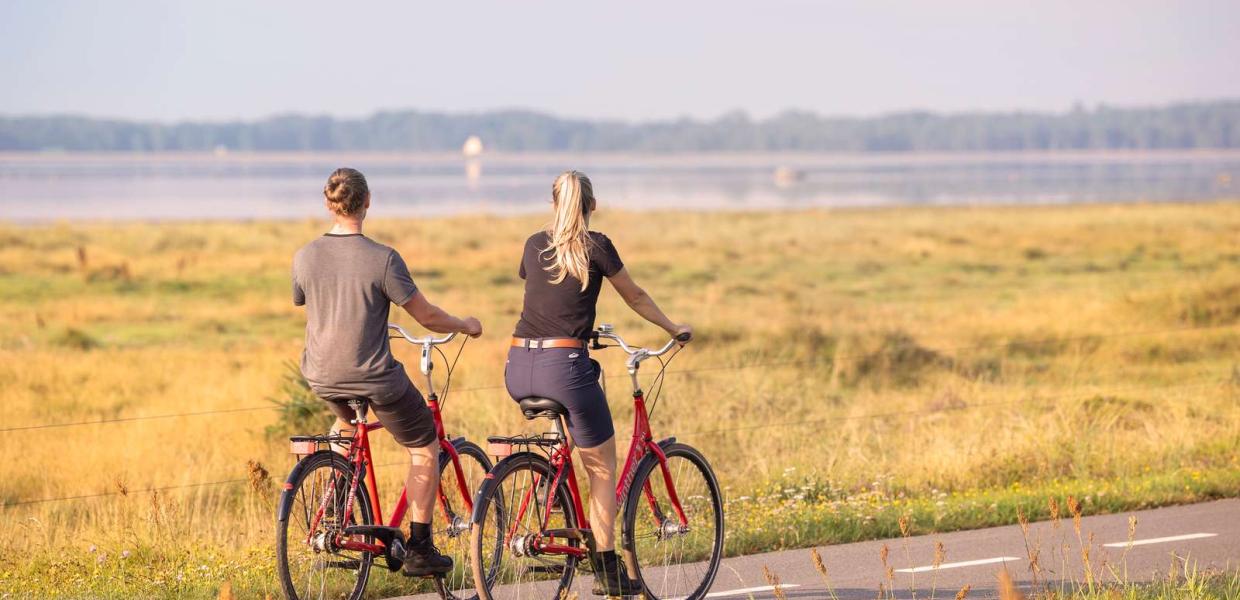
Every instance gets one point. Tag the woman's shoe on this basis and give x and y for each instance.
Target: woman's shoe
(611, 578)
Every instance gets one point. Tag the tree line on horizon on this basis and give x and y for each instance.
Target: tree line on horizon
(1213, 124)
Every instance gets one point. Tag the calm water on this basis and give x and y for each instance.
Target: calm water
(47, 187)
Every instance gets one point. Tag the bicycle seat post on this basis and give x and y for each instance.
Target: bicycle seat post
(359, 407)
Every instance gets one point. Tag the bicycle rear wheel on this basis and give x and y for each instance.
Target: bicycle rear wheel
(452, 515)
(507, 517)
(674, 559)
(309, 564)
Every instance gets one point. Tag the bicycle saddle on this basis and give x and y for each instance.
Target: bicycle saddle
(536, 407)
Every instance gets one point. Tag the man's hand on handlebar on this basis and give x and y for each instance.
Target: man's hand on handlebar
(471, 326)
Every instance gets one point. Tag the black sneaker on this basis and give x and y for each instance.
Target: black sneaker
(422, 559)
(611, 578)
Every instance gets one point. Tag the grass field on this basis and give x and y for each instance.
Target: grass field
(951, 365)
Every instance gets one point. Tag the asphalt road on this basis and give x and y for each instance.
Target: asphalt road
(1207, 534)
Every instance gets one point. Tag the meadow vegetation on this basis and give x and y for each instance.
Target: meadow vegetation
(957, 367)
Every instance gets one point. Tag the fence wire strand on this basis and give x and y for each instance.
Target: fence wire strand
(1202, 382)
(748, 365)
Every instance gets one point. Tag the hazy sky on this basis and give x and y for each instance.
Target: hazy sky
(634, 60)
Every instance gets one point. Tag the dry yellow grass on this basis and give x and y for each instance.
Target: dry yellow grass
(1008, 348)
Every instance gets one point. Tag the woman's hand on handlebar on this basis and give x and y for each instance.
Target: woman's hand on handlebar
(471, 326)
(682, 333)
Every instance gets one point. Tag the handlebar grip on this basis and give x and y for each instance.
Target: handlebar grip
(684, 337)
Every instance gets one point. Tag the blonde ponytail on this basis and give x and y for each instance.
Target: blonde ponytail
(572, 199)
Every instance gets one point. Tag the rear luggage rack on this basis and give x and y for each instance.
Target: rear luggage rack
(498, 445)
(305, 445)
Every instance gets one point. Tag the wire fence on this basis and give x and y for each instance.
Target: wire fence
(125, 492)
(1198, 383)
(745, 365)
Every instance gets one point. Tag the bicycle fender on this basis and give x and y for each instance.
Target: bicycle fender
(286, 499)
(489, 482)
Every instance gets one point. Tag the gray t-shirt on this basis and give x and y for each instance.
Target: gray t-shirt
(347, 284)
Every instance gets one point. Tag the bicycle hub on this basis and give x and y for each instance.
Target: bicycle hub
(525, 545)
(671, 528)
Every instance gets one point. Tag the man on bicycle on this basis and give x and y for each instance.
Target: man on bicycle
(348, 282)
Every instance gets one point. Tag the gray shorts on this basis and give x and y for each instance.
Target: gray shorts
(408, 418)
(568, 376)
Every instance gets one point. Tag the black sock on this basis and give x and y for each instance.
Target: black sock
(607, 558)
(419, 531)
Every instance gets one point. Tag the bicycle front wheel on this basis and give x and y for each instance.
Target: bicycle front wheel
(308, 523)
(674, 558)
(451, 521)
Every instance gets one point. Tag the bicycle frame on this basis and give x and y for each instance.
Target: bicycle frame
(561, 460)
(360, 457)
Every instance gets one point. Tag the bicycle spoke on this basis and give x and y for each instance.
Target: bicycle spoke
(452, 522)
(312, 566)
(513, 521)
(675, 559)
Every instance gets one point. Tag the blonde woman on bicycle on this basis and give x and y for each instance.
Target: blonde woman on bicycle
(563, 267)
(348, 282)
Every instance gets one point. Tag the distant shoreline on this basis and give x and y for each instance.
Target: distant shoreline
(524, 212)
(286, 185)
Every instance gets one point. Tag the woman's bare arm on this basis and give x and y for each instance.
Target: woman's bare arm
(439, 320)
(643, 304)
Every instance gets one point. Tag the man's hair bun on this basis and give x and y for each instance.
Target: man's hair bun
(346, 191)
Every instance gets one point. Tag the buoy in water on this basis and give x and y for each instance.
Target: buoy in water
(786, 176)
(472, 147)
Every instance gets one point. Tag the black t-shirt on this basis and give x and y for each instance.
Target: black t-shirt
(562, 310)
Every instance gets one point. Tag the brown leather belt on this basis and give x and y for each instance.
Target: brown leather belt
(547, 343)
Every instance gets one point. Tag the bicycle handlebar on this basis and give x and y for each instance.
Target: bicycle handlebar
(426, 363)
(605, 331)
(428, 340)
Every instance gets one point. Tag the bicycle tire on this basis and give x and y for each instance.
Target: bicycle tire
(453, 536)
(667, 572)
(491, 517)
(295, 495)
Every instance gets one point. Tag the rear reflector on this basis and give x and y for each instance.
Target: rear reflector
(303, 448)
(499, 449)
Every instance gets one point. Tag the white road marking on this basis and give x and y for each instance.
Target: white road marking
(1162, 540)
(751, 590)
(957, 565)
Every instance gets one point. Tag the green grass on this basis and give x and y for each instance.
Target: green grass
(949, 366)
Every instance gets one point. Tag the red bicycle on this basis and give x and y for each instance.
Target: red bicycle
(328, 532)
(530, 531)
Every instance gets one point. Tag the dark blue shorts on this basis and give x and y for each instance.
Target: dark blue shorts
(568, 376)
